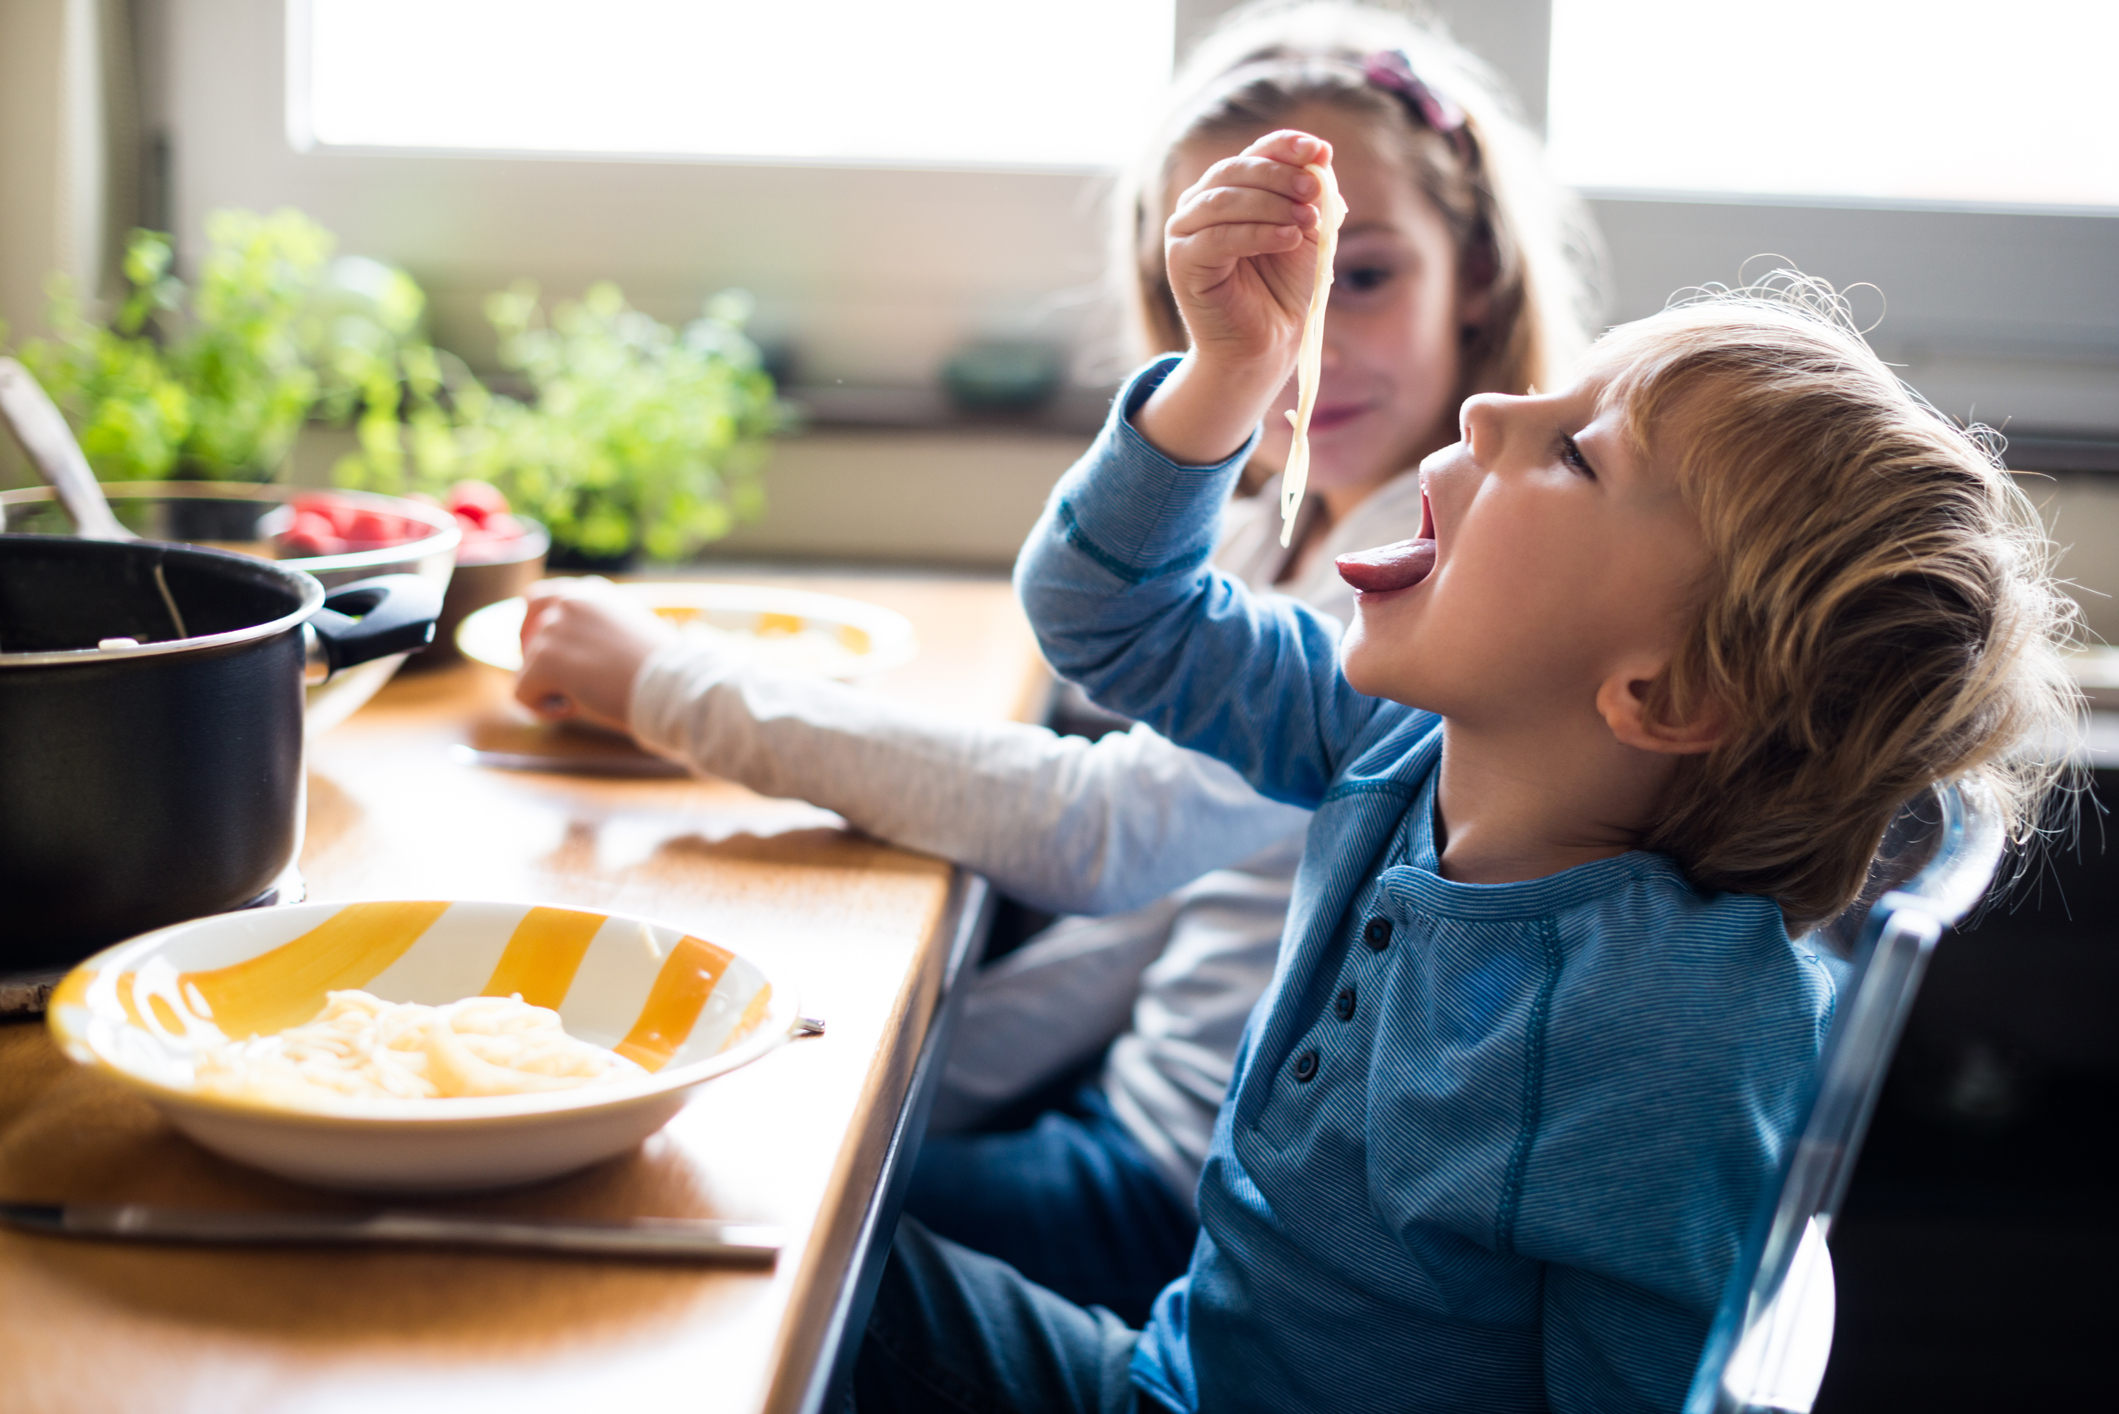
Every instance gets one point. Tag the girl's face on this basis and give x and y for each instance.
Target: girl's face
(1392, 331)
(1561, 558)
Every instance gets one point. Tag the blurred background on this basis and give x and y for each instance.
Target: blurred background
(902, 185)
(913, 195)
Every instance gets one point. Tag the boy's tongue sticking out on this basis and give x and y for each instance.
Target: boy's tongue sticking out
(1398, 566)
(1387, 567)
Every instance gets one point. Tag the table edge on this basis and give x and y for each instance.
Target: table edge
(966, 920)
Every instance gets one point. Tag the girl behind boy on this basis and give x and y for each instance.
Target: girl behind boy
(1455, 276)
(1632, 711)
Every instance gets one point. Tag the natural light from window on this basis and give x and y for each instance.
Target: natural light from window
(2006, 102)
(1041, 83)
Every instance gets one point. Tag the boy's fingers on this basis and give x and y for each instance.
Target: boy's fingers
(1288, 145)
(1220, 244)
(1236, 206)
(1265, 173)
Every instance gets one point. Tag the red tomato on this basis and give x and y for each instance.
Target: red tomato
(329, 509)
(476, 501)
(373, 528)
(311, 534)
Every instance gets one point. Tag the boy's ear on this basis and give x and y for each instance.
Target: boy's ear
(1622, 703)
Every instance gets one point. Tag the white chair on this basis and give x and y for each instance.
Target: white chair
(1767, 1347)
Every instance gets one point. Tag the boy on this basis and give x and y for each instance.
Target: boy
(1628, 716)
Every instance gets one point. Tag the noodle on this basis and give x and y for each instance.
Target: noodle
(1309, 357)
(361, 1047)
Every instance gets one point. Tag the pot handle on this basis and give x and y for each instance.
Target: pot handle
(373, 618)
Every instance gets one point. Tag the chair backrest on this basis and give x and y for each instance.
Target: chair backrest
(1767, 1346)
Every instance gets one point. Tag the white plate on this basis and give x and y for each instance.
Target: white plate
(790, 629)
(685, 1009)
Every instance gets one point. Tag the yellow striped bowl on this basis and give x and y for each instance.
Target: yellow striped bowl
(683, 1008)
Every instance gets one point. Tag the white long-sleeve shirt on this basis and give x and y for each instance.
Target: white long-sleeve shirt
(1174, 873)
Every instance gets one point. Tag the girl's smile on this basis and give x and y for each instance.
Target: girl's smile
(1328, 416)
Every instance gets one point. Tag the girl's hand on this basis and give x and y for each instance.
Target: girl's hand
(1242, 251)
(583, 641)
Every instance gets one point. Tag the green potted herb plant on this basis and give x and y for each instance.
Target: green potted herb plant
(634, 439)
(637, 439)
(214, 381)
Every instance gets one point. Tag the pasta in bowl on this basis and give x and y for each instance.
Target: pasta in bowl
(421, 1045)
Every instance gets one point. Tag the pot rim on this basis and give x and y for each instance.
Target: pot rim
(309, 589)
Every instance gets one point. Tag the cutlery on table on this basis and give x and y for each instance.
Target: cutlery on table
(682, 1239)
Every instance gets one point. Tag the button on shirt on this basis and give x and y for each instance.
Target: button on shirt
(1516, 1176)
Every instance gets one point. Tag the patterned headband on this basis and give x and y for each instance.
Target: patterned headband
(1391, 70)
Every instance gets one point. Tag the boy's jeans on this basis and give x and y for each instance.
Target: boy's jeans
(957, 1332)
(1069, 1200)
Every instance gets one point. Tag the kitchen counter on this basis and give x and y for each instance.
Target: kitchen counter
(804, 1138)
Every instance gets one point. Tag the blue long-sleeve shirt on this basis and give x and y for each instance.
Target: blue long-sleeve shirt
(1488, 1146)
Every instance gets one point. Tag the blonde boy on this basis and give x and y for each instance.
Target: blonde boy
(1629, 714)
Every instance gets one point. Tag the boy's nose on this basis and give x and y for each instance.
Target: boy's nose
(1479, 425)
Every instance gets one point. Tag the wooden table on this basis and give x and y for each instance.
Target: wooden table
(798, 1139)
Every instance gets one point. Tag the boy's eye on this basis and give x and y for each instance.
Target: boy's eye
(1363, 278)
(1571, 453)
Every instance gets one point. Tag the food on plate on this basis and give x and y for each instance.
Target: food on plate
(787, 643)
(1309, 356)
(360, 1047)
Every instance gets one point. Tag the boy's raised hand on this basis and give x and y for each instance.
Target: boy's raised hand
(1242, 251)
(1242, 255)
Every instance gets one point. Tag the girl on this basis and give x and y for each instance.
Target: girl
(1459, 270)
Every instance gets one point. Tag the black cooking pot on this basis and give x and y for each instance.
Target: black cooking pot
(151, 729)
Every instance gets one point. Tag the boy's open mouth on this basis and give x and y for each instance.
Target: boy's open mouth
(1399, 566)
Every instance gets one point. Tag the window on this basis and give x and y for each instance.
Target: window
(1062, 83)
(1875, 100)
(1957, 155)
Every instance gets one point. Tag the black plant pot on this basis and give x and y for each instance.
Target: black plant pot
(570, 560)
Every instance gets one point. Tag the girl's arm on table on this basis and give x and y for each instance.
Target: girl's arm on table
(1117, 585)
(1061, 823)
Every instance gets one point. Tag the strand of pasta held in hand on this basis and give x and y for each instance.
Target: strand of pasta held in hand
(1309, 355)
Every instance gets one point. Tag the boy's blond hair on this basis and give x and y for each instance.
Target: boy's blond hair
(1879, 613)
(1518, 231)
